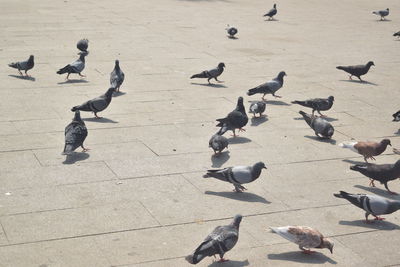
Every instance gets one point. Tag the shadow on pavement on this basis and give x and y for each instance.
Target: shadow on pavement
(298, 256)
(119, 93)
(73, 81)
(101, 120)
(230, 263)
(239, 140)
(320, 139)
(219, 159)
(255, 121)
(378, 225)
(354, 162)
(244, 196)
(277, 102)
(76, 156)
(216, 85)
(28, 78)
(358, 81)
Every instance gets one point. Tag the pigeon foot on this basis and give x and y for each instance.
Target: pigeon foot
(308, 252)
(377, 218)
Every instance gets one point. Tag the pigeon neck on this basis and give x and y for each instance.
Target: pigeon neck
(381, 147)
(82, 58)
(256, 172)
(307, 118)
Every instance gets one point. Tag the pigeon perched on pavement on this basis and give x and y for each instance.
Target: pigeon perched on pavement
(237, 175)
(219, 241)
(322, 128)
(211, 74)
(397, 34)
(382, 13)
(231, 31)
(117, 76)
(83, 45)
(75, 134)
(75, 67)
(372, 204)
(357, 70)
(396, 116)
(271, 13)
(218, 143)
(236, 119)
(367, 149)
(379, 172)
(257, 107)
(269, 87)
(23, 65)
(304, 236)
(317, 104)
(96, 104)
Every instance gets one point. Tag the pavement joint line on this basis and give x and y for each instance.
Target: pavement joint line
(149, 212)
(4, 231)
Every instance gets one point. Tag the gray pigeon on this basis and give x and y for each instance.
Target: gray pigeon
(257, 107)
(372, 204)
(221, 240)
(231, 31)
(211, 74)
(96, 104)
(357, 70)
(269, 87)
(236, 119)
(237, 175)
(23, 65)
(382, 13)
(397, 34)
(321, 127)
(271, 13)
(218, 143)
(83, 45)
(75, 134)
(317, 104)
(75, 67)
(117, 76)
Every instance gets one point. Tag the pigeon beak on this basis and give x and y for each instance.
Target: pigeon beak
(265, 167)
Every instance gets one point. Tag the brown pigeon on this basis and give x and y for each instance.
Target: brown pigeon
(367, 149)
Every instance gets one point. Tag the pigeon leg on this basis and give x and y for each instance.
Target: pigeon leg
(242, 130)
(209, 80)
(350, 77)
(306, 251)
(263, 98)
(366, 218)
(321, 114)
(278, 96)
(218, 80)
(371, 183)
(20, 73)
(391, 192)
(95, 114)
(85, 149)
(67, 76)
(377, 218)
(81, 75)
(223, 260)
(27, 75)
(359, 78)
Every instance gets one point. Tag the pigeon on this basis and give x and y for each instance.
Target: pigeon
(269, 87)
(218, 143)
(221, 240)
(379, 172)
(357, 70)
(321, 127)
(397, 34)
(75, 134)
(382, 13)
(83, 45)
(317, 104)
(210, 74)
(96, 104)
(257, 107)
(237, 175)
(117, 76)
(367, 149)
(372, 204)
(396, 116)
(231, 31)
(236, 119)
(23, 65)
(271, 13)
(304, 236)
(75, 67)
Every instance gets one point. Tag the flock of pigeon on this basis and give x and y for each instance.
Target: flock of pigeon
(224, 238)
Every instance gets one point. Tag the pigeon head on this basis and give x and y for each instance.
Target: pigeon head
(236, 220)
(281, 74)
(260, 165)
(221, 65)
(327, 243)
(117, 62)
(77, 116)
(239, 105)
(274, 5)
(110, 91)
(331, 98)
(370, 63)
(30, 58)
(386, 142)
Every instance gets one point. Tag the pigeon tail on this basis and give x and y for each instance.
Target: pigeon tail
(352, 198)
(358, 168)
(255, 91)
(200, 75)
(63, 70)
(83, 107)
(341, 68)
(216, 174)
(68, 149)
(13, 65)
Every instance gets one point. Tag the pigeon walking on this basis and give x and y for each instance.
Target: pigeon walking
(218, 143)
(221, 240)
(75, 134)
(211, 74)
(117, 76)
(23, 65)
(271, 13)
(75, 67)
(321, 127)
(357, 70)
(257, 107)
(236, 119)
(382, 13)
(379, 172)
(231, 31)
(83, 45)
(269, 87)
(304, 236)
(396, 116)
(317, 104)
(367, 149)
(237, 175)
(372, 204)
(96, 104)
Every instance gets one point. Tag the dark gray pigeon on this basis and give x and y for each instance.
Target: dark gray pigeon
(397, 34)
(357, 70)
(218, 143)
(379, 172)
(117, 77)
(231, 31)
(321, 127)
(23, 65)
(396, 116)
(236, 119)
(257, 107)
(75, 134)
(96, 104)
(372, 204)
(382, 13)
(221, 240)
(269, 87)
(83, 45)
(271, 13)
(317, 104)
(237, 175)
(211, 74)
(75, 67)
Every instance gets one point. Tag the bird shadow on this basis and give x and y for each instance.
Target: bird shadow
(73, 81)
(232, 37)
(322, 140)
(76, 156)
(239, 140)
(378, 225)
(325, 118)
(297, 256)
(230, 263)
(216, 85)
(101, 120)
(272, 19)
(255, 121)
(277, 102)
(383, 20)
(28, 78)
(219, 159)
(356, 162)
(244, 196)
(359, 82)
(378, 191)
(119, 93)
